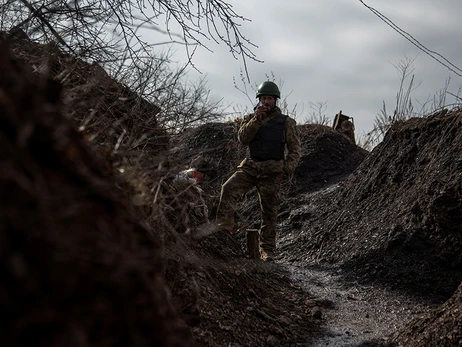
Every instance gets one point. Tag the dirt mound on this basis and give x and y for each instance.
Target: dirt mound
(212, 149)
(441, 327)
(396, 220)
(77, 267)
(108, 113)
(234, 301)
(328, 157)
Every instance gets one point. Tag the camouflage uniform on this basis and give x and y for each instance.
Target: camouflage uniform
(264, 175)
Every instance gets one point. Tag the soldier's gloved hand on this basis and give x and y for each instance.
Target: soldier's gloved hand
(260, 113)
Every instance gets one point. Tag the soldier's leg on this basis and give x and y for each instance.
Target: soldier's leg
(268, 191)
(231, 191)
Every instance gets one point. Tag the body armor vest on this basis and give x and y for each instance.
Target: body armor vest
(268, 143)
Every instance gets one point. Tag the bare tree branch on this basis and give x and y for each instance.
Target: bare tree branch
(98, 30)
(434, 55)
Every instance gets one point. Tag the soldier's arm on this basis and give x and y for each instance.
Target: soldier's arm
(248, 129)
(293, 146)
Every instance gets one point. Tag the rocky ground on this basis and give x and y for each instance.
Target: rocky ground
(369, 243)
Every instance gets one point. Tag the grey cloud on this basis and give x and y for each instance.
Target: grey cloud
(337, 51)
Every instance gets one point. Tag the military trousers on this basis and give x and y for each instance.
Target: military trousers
(268, 187)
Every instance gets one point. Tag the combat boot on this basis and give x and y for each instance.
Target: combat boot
(267, 255)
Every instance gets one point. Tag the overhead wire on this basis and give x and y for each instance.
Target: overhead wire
(434, 55)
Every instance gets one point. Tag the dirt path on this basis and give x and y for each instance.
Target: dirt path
(352, 314)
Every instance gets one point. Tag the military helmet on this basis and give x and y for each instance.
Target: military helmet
(268, 88)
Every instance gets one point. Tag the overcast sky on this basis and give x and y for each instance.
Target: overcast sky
(339, 53)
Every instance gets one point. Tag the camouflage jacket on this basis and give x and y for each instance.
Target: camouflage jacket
(247, 131)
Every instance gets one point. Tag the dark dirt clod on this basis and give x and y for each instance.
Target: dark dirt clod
(77, 267)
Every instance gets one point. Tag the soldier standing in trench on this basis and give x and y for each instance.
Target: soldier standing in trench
(274, 144)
